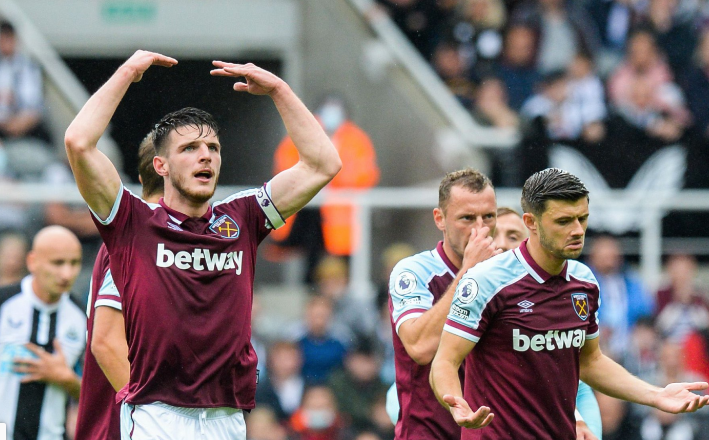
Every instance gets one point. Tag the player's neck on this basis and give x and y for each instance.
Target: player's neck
(174, 200)
(452, 256)
(551, 264)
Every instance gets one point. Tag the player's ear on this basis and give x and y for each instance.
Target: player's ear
(439, 219)
(530, 221)
(160, 165)
(31, 261)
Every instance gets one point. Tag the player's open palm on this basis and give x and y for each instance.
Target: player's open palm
(141, 60)
(464, 416)
(258, 80)
(480, 247)
(678, 397)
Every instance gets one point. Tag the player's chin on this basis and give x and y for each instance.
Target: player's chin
(202, 195)
(572, 254)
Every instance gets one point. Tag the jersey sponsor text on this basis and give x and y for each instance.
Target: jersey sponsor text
(199, 259)
(552, 340)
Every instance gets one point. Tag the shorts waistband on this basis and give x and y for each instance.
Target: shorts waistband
(195, 413)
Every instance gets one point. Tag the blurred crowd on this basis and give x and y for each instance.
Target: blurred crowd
(28, 154)
(615, 79)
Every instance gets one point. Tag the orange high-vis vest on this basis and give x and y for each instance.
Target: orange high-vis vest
(359, 171)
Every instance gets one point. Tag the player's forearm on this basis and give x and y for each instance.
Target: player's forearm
(423, 335)
(113, 360)
(444, 379)
(314, 147)
(610, 378)
(93, 119)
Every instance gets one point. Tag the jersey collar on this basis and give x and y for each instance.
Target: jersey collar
(179, 217)
(539, 274)
(444, 257)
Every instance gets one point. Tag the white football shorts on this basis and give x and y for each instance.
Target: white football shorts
(159, 421)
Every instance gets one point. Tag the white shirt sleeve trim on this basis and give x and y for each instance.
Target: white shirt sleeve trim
(114, 210)
(578, 416)
(461, 333)
(406, 318)
(594, 335)
(108, 303)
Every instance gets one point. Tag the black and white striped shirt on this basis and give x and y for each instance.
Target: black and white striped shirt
(35, 410)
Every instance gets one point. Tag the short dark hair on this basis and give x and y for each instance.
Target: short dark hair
(186, 117)
(470, 179)
(6, 28)
(550, 184)
(504, 210)
(152, 182)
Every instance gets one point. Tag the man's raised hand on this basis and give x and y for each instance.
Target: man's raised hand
(464, 416)
(678, 397)
(141, 60)
(258, 80)
(480, 247)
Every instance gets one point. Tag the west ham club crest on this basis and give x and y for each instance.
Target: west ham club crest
(225, 226)
(580, 303)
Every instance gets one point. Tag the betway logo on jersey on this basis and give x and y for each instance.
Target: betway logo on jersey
(199, 259)
(551, 340)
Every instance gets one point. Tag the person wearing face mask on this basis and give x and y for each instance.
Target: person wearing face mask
(318, 417)
(359, 171)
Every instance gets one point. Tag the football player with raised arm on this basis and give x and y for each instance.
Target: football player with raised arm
(185, 267)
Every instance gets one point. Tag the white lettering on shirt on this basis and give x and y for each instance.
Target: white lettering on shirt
(185, 260)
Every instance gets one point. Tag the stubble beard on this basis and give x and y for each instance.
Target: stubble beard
(548, 245)
(196, 198)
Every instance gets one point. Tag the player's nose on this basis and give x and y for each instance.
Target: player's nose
(578, 230)
(204, 153)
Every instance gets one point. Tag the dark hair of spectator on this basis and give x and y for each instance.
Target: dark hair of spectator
(7, 28)
(551, 184)
(152, 182)
(470, 179)
(645, 321)
(503, 210)
(553, 77)
(186, 117)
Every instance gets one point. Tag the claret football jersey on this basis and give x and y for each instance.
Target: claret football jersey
(416, 284)
(99, 416)
(529, 327)
(187, 291)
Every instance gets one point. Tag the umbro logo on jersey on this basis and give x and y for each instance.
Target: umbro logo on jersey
(526, 306)
(199, 259)
(174, 227)
(551, 340)
(14, 324)
(225, 226)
